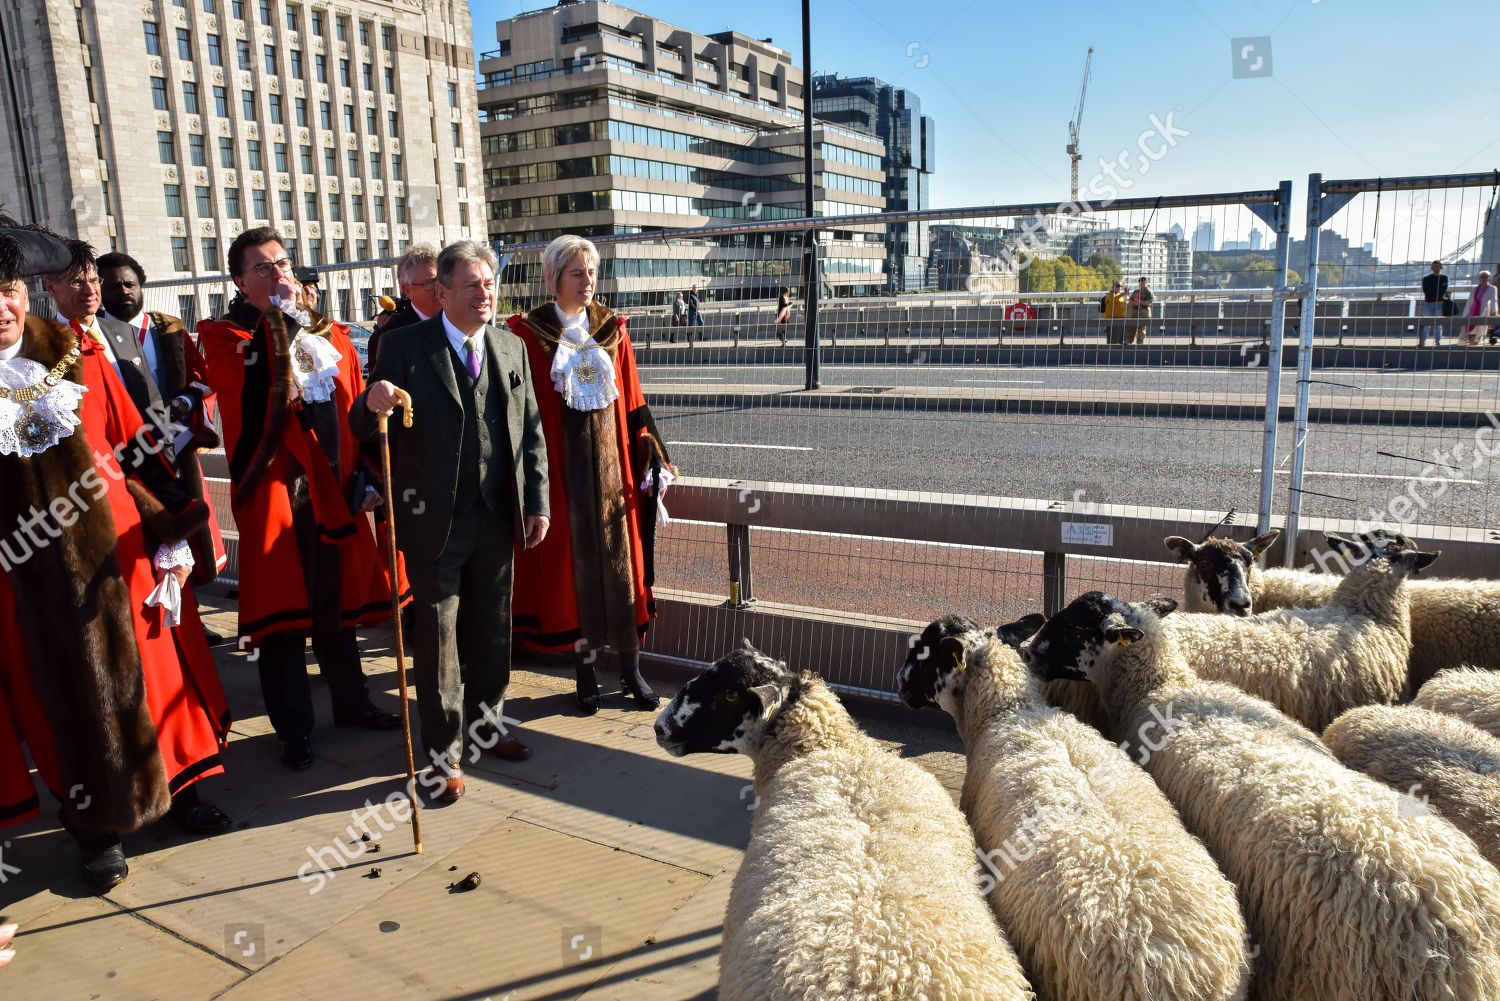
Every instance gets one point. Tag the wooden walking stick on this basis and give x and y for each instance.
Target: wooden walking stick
(390, 538)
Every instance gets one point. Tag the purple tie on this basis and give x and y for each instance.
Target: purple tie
(472, 358)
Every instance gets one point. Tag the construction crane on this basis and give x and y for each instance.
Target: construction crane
(1077, 122)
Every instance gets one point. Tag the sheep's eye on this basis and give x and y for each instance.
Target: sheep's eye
(733, 698)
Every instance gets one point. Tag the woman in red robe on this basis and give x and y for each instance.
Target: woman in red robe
(587, 585)
(122, 714)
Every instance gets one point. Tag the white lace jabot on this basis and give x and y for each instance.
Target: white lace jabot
(315, 365)
(28, 429)
(582, 371)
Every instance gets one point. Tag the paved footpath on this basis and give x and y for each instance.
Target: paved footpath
(605, 866)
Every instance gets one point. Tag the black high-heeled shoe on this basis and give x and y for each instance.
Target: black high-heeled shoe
(634, 685)
(587, 693)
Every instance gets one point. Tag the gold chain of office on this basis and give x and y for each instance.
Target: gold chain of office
(40, 388)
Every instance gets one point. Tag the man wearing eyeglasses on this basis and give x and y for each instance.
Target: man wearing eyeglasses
(417, 273)
(309, 565)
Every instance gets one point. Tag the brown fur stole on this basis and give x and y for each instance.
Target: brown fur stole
(75, 610)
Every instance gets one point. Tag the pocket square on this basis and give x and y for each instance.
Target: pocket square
(515, 380)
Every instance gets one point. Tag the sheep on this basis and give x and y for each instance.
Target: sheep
(1473, 696)
(857, 882)
(1432, 758)
(1453, 621)
(1348, 896)
(1103, 892)
(1314, 663)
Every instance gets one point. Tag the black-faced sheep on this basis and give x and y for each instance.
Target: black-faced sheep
(1472, 696)
(1315, 663)
(1349, 896)
(1453, 621)
(858, 881)
(1434, 759)
(1100, 888)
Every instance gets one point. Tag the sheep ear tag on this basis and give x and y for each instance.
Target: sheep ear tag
(958, 661)
(1122, 640)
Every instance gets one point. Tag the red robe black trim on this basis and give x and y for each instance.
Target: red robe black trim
(268, 437)
(545, 604)
(117, 710)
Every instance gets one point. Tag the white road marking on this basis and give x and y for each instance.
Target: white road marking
(731, 444)
(1015, 382)
(1366, 476)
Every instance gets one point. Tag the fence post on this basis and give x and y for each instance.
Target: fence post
(741, 584)
(1304, 367)
(1274, 359)
(1054, 582)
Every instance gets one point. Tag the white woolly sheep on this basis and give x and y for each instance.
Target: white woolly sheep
(1314, 663)
(1472, 696)
(1432, 758)
(858, 880)
(1349, 896)
(1453, 621)
(1100, 888)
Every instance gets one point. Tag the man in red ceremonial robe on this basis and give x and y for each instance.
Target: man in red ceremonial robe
(309, 565)
(122, 713)
(587, 585)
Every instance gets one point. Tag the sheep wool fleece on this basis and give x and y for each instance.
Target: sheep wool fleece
(1471, 695)
(1104, 893)
(1435, 759)
(858, 880)
(1349, 897)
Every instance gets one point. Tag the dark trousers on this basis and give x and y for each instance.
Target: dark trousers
(461, 629)
(287, 691)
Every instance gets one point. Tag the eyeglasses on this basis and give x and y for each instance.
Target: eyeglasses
(268, 268)
(430, 285)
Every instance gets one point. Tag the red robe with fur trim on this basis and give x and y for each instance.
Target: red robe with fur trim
(71, 679)
(266, 440)
(578, 555)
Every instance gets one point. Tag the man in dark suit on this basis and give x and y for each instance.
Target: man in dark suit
(417, 274)
(470, 477)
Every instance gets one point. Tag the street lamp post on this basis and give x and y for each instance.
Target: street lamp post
(810, 240)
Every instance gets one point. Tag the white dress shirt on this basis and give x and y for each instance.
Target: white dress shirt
(458, 340)
(143, 334)
(6, 354)
(97, 333)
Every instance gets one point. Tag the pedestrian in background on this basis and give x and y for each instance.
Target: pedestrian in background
(1481, 303)
(679, 315)
(783, 312)
(1435, 302)
(1114, 307)
(1139, 310)
(694, 317)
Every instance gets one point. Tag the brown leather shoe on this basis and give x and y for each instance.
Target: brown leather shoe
(511, 749)
(451, 791)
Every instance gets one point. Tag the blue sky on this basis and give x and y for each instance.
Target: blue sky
(1357, 88)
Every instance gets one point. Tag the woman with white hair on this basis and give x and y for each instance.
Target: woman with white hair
(1481, 303)
(587, 586)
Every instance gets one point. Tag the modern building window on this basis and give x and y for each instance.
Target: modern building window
(277, 118)
(226, 152)
(205, 200)
(320, 66)
(247, 105)
(180, 260)
(258, 204)
(307, 161)
(330, 161)
(299, 109)
(232, 204)
(184, 44)
(174, 199)
(281, 162)
(375, 166)
(221, 102)
(344, 73)
(215, 51)
(153, 39)
(252, 153)
(325, 115)
(269, 52)
(246, 60)
(197, 156)
(159, 93)
(165, 149)
(335, 208)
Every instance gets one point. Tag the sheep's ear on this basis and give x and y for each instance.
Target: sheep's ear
(1345, 546)
(1261, 543)
(1015, 633)
(950, 650)
(1421, 561)
(745, 644)
(769, 699)
(1160, 605)
(1184, 548)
